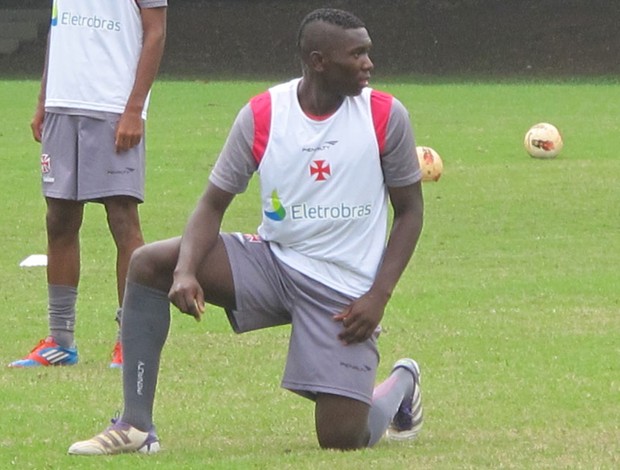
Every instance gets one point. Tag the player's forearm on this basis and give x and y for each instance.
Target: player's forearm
(399, 250)
(154, 39)
(199, 238)
(43, 87)
(202, 230)
(404, 235)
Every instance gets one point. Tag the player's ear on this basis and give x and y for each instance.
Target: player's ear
(317, 61)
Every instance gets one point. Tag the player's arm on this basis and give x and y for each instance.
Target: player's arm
(230, 176)
(408, 205)
(402, 175)
(36, 124)
(363, 316)
(198, 241)
(130, 127)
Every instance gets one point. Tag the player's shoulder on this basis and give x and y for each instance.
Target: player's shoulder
(380, 94)
(261, 99)
(385, 103)
(261, 103)
(384, 98)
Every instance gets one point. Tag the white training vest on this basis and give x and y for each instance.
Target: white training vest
(323, 194)
(94, 50)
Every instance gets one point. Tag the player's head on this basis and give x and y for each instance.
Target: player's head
(334, 47)
(333, 16)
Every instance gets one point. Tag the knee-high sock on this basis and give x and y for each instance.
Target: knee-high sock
(118, 318)
(144, 329)
(61, 313)
(386, 399)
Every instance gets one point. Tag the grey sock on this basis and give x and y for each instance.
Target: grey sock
(118, 318)
(386, 399)
(61, 313)
(144, 329)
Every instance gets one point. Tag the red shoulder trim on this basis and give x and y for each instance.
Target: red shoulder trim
(261, 109)
(380, 107)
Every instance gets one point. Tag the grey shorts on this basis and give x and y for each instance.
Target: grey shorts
(79, 161)
(269, 293)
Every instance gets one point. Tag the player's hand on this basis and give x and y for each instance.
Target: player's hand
(361, 318)
(187, 295)
(129, 131)
(36, 124)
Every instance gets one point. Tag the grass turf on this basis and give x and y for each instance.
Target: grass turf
(510, 304)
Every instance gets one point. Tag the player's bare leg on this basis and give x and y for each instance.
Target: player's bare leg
(124, 223)
(341, 422)
(63, 222)
(145, 325)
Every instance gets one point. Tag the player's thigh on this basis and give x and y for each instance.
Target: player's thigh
(317, 361)
(154, 264)
(59, 158)
(259, 287)
(216, 278)
(341, 422)
(104, 172)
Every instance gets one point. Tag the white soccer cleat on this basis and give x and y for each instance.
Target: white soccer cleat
(408, 420)
(118, 438)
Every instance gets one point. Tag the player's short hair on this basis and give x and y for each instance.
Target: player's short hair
(341, 18)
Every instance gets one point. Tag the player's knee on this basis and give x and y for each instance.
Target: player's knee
(153, 264)
(343, 436)
(142, 265)
(341, 422)
(123, 220)
(62, 224)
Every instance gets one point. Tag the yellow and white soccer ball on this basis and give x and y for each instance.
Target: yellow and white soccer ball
(430, 163)
(543, 140)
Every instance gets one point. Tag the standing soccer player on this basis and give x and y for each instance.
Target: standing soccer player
(102, 59)
(331, 155)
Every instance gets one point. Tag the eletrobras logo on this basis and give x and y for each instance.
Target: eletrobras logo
(54, 13)
(305, 211)
(67, 18)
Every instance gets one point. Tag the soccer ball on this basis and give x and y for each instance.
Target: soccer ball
(430, 163)
(543, 140)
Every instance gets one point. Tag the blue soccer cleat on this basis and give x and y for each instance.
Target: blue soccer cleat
(48, 353)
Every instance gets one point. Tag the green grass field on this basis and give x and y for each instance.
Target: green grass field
(511, 304)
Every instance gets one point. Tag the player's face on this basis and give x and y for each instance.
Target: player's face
(347, 63)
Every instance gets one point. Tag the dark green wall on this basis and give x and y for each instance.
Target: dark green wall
(255, 38)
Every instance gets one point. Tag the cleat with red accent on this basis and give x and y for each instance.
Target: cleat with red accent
(117, 356)
(48, 353)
